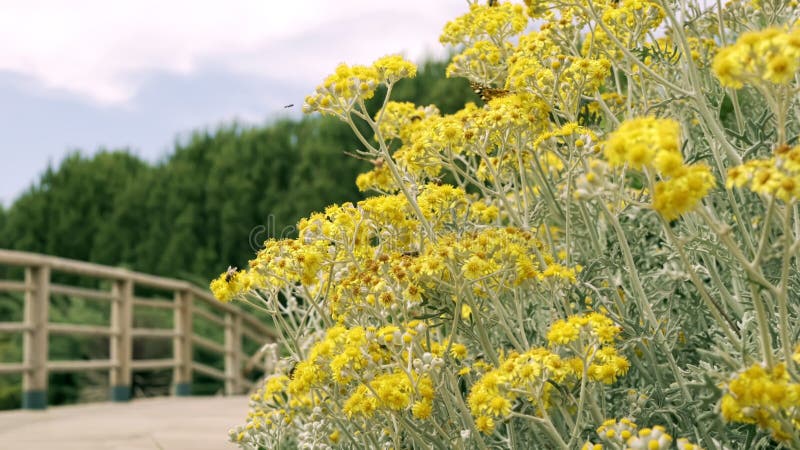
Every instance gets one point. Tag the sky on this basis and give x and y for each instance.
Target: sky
(139, 74)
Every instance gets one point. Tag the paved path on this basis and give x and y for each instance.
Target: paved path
(168, 423)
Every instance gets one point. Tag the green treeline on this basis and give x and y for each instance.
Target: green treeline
(211, 203)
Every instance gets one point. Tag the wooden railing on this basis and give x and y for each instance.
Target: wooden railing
(187, 302)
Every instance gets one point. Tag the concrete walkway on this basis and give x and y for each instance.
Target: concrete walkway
(168, 423)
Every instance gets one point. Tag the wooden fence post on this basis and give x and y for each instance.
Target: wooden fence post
(233, 344)
(121, 340)
(35, 340)
(182, 344)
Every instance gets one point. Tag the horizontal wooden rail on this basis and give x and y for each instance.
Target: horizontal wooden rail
(12, 368)
(138, 364)
(208, 344)
(153, 332)
(86, 364)
(80, 292)
(69, 328)
(209, 371)
(13, 286)
(13, 327)
(208, 316)
(187, 300)
(153, 303)
(206, 296)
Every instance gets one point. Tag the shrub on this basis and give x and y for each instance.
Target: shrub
(613, 262)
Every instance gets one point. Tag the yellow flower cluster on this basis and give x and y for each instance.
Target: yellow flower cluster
(757, 57)
(393, 68)
(493, 395)
(481, 62)
(359, 360)
(482, 212)
(532, 375)
(271, 393)
(379, 179)
(642, 141)
(776, 177)
(592, 334)
(391, 391)
(485, 23)
(568, 134)
(427, 141)
(398, 120)
(597, 327)
(230, 284)
(653, 144)
(362, 366)
(682, 191)
(519, 115)
(655, 438)
(369, 258)
(493, 260)
(617, 431)
(765, 397)
(484, 32)
(629, 22)
(626, 434)
(440, 203)
(500, 258)
(538, 67)
(348, 85)
(325, 238)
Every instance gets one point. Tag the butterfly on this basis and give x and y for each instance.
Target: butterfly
(487, 93)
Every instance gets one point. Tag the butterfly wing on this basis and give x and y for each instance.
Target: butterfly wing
(487, 93)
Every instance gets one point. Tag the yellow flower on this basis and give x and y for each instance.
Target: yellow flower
(638, 141)
(422, 409)
(600, 327)
(680, 194)
(341, 91)
(765, 397)
(563, 332)
(361, 402)
(484, 424)
(499, 406)
(654, 438)
(458, 351)
(394, 390)
(393, 68)
(476, 267)
(777, 177)
(617, 432)
(759, 57)
(481, 22)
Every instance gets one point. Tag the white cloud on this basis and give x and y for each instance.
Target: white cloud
(103, 50)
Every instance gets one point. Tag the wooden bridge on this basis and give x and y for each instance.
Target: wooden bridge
(159, 423)
(40, 279)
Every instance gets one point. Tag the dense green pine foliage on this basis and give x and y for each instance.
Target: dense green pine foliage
(209, 204)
